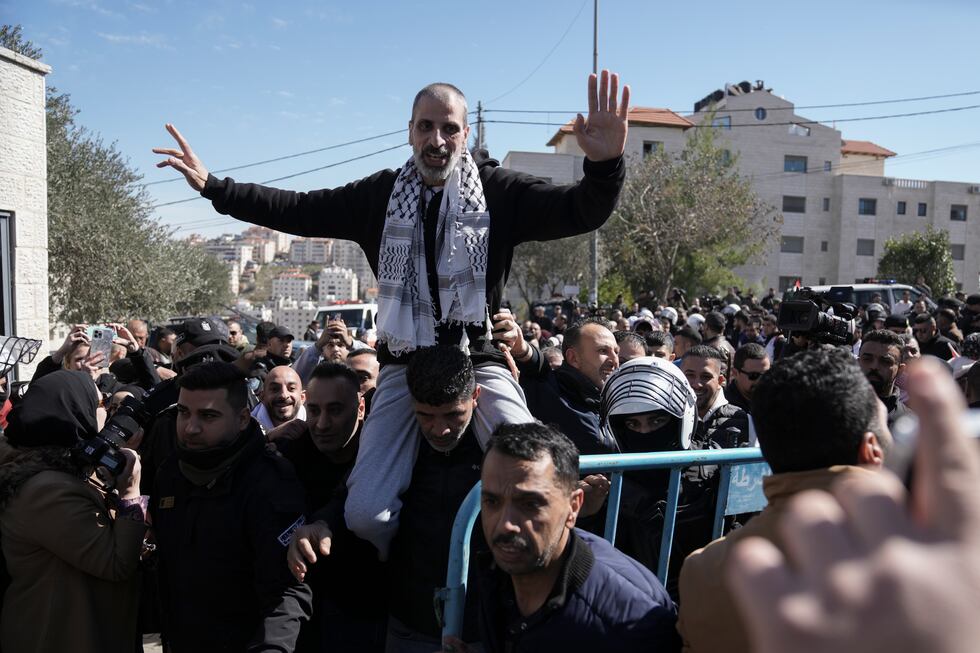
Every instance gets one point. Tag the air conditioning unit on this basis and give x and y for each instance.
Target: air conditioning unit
(888, 181)
(975, 190)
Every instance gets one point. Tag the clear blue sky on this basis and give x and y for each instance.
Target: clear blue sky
(253, 81)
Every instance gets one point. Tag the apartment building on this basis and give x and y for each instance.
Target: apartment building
(279, 240)
(838, 205)
(311, 250)
(231, 251)
(348, 254)
(336, 284)
(292, 285)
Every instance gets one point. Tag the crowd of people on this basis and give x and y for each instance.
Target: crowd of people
(239, 496)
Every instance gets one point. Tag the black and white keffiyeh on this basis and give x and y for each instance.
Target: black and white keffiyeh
(406, 318)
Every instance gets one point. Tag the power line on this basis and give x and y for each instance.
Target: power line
(911, 157)
(769, 124)
(295, 174)
(809, 106)
(287, 156)
(547, 56)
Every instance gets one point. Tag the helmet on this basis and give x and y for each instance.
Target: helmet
(695, 320)
(647, 384)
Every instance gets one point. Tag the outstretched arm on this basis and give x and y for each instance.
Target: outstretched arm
(183, 160)
(602, 136)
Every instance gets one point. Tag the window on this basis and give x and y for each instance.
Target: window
(922, 209)
(652, 147)
(792, 245)
(722, 122)
(958, 252)
(827, 166)
(792, 163)
(787, 283)
(793, 204)
(760, 114)
(823, 245)
(866, 247)
(6, 280)
(867, 206)
(726, 157)
(900, 208)
(822, 281)
(957, 212)
(826, 204)
(799, 130)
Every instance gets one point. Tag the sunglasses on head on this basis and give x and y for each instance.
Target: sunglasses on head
(752, 376)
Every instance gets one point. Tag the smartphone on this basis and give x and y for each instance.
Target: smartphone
(100, 339)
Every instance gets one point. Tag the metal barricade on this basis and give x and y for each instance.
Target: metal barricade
(746, 483)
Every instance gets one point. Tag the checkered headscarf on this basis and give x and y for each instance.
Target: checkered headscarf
(406, 318)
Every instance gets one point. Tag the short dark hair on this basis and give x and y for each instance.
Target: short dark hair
(660, 339)
(217, 376)
(328, 370)
(749, 351)
(811, 410)
(923, 318)
(262, 330)
(884, 337)
(440, 375)
(947, 313)
(574, 333)
(631, 336)
(363, 351)
(707, 351)
(689, 332)
(531, 441)
(973, 379)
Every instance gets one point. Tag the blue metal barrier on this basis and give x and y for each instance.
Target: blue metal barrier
(449, 600)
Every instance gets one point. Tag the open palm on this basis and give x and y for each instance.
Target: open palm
(602, 135)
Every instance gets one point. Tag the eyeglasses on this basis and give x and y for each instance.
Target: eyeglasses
(752, 376)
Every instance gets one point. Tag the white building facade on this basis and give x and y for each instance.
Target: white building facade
(292, 286)
(348, 254)
(310, 250)
(838, 205)
(336, 284)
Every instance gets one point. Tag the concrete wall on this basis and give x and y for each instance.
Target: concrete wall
(23, 192)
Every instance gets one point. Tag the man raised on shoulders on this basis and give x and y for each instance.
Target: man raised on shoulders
(439, 234)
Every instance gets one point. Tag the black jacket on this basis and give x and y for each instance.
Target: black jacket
(420, 550)
(940, 347)
(225, 585)
(736, 398)
(522, 208)
(602, 601)
(566, 398)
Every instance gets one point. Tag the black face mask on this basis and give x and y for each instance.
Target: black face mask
(666, 438)
(213, 458)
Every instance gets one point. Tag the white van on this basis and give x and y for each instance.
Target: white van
(355, 316)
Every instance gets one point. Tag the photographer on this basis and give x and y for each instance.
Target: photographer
(72, 550)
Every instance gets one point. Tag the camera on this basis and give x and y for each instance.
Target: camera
(807, 312)
(102, 451)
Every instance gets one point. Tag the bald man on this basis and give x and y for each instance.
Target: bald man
(282, 398)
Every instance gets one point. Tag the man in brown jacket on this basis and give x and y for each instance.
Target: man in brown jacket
(818, 421)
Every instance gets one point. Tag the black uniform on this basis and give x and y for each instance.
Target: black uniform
(225, 585)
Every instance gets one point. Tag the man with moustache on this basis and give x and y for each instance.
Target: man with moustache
(439, 234)
(550, 586)
(881, 361)
(282, 398)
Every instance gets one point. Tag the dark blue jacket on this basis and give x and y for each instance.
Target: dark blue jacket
(602, 601)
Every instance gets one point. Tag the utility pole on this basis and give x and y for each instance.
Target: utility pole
(480, 141)
(594, 245)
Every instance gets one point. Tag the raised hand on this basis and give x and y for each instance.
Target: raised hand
(602, 135)
(183, 160)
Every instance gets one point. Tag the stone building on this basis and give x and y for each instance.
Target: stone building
(23, 201)
(838, 205)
